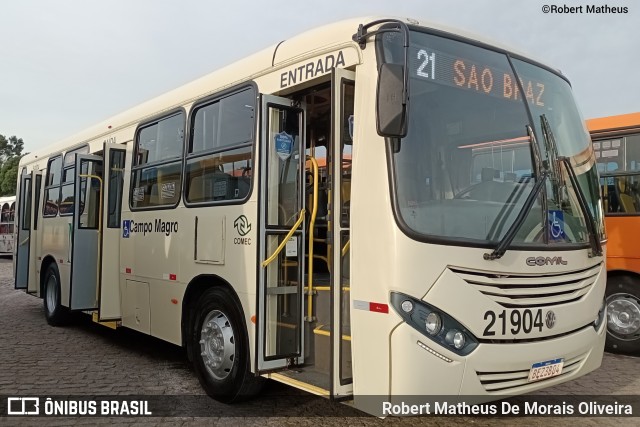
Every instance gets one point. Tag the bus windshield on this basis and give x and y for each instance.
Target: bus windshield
(466, 166)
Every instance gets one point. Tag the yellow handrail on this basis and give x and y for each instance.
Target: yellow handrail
(268, 261)
(345, 248)
(314, 211)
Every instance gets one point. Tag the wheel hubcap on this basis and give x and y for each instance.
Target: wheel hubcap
(217, 344)
(623, 315)
(52, 294)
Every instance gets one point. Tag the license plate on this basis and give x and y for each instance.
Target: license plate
(542, 370)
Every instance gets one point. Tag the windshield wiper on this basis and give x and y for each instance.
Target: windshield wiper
(541, 178)
(500, 250)
(596, 246)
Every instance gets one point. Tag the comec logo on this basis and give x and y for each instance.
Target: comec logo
(541, 261)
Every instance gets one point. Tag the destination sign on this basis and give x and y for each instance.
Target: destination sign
(454, 71)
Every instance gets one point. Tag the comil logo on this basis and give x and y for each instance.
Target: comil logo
(23, 406)
(542, 261)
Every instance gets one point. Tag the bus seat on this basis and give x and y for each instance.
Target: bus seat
(244, 184)
(627, 203)
(626, 200)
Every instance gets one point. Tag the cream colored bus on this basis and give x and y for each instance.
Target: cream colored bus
(375, 207)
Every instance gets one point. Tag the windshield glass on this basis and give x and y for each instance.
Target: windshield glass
(557, 118)
(465, 167)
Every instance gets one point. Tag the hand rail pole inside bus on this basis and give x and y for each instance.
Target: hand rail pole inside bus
(268, 261)
(346, 247)
(312, 222)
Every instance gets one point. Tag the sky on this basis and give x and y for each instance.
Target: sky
(66, 65)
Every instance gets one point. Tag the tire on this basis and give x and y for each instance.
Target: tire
(219, 348)
(623, 315)
(54, 312)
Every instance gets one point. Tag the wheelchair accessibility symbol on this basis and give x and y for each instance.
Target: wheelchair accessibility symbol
(556, 225)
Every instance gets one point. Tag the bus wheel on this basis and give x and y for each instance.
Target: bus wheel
(220, 348)
(623, 315)
(56, 314)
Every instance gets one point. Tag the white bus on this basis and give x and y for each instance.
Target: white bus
(375, 207)
(7, 211)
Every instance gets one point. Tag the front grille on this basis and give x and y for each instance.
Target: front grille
(543, 290)
(512, 381)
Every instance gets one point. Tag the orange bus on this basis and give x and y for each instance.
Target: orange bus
(616, 142)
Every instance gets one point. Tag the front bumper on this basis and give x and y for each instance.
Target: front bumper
(490, 370)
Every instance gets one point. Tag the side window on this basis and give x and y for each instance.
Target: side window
(68, 176)
(619, 167)
(157, 164)
(219, 158)
(52, 187)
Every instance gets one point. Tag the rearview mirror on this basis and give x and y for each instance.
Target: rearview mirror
(390, 110)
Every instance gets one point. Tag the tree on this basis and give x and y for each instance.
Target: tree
(10, 154)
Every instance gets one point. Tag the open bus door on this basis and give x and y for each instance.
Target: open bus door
(109, 286)
(33, 286)
(86, 233)
(282, 236)
(342, 121)
(23, 233)
(96, 233)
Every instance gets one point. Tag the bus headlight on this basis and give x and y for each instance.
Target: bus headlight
(601, 315)
(455, 338)
(433, 323)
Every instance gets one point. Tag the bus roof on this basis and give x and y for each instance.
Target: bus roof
(612, 123)
(265, 61)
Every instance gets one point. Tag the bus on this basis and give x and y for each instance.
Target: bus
(7, 211)
(377, 207)
(616, 142)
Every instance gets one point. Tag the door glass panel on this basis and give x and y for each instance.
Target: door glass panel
(346, 142)
(90, 195)
(345, 319)
(282, 305)
(37, 203)
(283, 168)
(116, 181)
(26, 206)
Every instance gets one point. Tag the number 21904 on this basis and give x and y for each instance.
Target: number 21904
(516, 321)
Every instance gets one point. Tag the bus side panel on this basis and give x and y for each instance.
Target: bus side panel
(218, 244)
(623, 252)
(150, 259)
(56, 234)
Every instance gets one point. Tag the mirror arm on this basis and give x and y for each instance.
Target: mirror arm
(361, 38)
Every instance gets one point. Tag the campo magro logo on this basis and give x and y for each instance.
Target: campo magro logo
(242, 225)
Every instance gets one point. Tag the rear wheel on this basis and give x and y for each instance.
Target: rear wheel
(220, 348)
(55, 313)
(623, 314)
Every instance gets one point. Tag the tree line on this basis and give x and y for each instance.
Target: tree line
(10, 154)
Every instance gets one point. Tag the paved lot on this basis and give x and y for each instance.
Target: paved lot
(88, 359)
